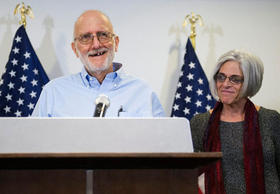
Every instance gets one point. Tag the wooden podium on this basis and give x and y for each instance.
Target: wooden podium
(127, 156)
(114, 173)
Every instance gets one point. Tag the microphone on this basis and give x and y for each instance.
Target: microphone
(102, 103)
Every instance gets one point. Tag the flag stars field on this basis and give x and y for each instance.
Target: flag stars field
(209, 97)
(12, 73)
(198, 103)
(18, 113)
(9, 97)
(34, 82)
(199, 92)
(24, 77)
(187, 111)
(18, 39)
(16, 50)
(190, 76)
(200, 81)
(14, 62)
(35, 71)
(11, 85)
(21, 90)
(7, 109)
(33, 94)
(27, 55)
(189, 88)
(193, 94)
(191, 65)
(179, 85)
(176, 107)
(208, 107)
(188, 99)
(178, 96)
(20, 101)
(181, 73)
(25, 66)
(30, 106)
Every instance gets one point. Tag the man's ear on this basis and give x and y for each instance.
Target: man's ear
(74, 49)
(117, 40)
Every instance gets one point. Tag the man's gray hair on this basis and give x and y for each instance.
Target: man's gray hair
(252, 69)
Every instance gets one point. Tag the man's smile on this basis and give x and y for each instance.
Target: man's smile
(96, 53)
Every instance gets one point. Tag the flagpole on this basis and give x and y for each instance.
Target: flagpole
(193, 20)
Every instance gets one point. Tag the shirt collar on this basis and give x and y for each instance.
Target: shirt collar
(114, 76)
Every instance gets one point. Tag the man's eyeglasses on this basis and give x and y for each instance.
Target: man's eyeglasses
(103, 37)
(234, 79)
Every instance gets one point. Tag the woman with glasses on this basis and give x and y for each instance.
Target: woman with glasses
(248, 135)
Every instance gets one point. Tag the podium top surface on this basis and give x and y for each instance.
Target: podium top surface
(107, 160)
(87, 135)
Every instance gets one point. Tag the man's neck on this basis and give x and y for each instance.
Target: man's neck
(100, 75)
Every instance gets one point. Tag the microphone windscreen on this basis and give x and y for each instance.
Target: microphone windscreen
(103, 99)
(102, 103)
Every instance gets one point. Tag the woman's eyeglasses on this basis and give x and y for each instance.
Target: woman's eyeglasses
(234, 79)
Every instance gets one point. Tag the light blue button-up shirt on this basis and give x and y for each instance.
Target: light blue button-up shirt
(75, 95)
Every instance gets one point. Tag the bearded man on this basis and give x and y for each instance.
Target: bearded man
(95, 45)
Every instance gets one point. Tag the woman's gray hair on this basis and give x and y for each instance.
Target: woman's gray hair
(252, 69)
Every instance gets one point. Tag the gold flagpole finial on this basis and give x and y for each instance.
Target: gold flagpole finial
(193, 19)
(23, 11)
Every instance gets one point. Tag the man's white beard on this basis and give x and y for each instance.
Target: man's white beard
(94, 68)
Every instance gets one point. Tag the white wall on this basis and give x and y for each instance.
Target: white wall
(151, 37)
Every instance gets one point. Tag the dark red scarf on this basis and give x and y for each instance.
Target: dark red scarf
(252, 151)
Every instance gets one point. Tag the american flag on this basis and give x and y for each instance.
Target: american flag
(193, 94)
(23, 79)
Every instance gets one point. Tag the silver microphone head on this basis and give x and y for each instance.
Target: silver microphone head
(103, 99)
(102, 103)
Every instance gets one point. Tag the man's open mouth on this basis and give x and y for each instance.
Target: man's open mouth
(97, 53)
